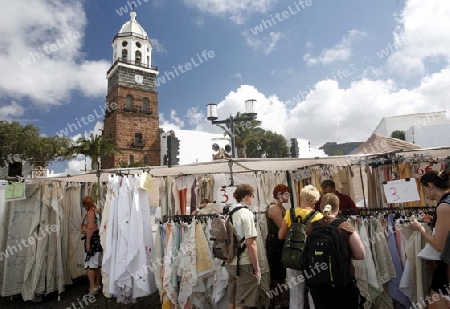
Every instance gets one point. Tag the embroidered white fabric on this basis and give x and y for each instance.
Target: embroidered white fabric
(429, 253)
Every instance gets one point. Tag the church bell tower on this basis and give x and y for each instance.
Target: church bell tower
(131, 117)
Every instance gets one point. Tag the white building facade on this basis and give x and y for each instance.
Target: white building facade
(388, 125)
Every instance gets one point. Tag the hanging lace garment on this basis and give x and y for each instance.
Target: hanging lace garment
(55, 276)
(219, 276)
(264, 287)
(35, 277)
(164, 201)
(21, 221)
(122, 279)
(170, 294)
(109, 253)
(201, 292)
(365, 272)
(65, 236)
(158, 259)
(140, 245)
(187, 268)
(103, 228)
(184, 185)
(383, 261)
(394, 283)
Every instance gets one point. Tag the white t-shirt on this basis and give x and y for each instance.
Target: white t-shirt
(244, 223)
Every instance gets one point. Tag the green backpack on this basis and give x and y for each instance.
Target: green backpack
(291, 256)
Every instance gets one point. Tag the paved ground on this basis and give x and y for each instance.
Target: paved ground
(73, 298)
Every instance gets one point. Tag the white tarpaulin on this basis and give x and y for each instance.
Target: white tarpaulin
(242, 165)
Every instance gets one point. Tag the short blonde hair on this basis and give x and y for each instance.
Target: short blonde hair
(310, 194)
(329, 199)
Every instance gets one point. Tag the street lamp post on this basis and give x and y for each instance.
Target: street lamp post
(211, 115)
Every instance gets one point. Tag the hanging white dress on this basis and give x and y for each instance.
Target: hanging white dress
(109, 252)
(103, 228)
(139, 246)
(122, 279)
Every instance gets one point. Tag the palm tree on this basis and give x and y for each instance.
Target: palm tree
(243, 133)
(94, 147)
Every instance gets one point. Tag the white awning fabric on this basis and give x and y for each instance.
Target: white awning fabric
(243, 165)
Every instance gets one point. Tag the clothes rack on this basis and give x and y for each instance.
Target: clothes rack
(402, 210)
(188, 218)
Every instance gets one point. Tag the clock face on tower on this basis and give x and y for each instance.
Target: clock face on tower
(138, 79)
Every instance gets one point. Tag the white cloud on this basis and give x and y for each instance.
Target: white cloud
(339, 52)
(79, 164)
(236, 75)
(351, 114)
(11, 110)
(333, 113)
(195, 118)
(421, 34)
(266, 44)
(173, 123)
(280, 73)
(158, 46)
(237, 10)
(40, 55)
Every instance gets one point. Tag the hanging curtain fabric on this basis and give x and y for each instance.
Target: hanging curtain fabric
(34, 278)
(21, 221)
(127, 255)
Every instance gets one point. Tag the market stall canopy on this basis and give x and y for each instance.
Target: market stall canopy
(241, 165)
(377, 144)
(248, 165)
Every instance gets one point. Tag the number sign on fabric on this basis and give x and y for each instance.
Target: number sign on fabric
(401, 191)
(225, 196)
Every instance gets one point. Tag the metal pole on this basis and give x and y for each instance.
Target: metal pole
(98, 187)
(233, 142)
(230, 165)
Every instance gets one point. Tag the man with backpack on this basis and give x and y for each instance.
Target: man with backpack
(334, 243)
(243, 271)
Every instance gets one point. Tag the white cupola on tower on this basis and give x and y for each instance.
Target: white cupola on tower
(132, 45)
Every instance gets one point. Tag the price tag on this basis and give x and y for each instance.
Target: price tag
(15, 191)
(401, 191)
(225, 196)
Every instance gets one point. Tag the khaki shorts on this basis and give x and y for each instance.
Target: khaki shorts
(243, 290)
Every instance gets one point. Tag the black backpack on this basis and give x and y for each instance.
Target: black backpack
(291, 255)
(324, 246)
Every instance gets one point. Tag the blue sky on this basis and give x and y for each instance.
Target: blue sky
(319, 73)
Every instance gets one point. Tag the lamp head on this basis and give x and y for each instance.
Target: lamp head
(250, 108)
(211, 112)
